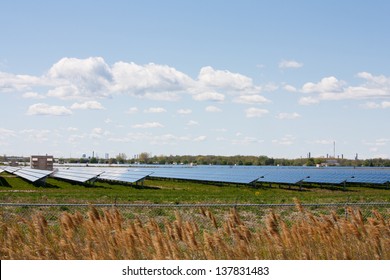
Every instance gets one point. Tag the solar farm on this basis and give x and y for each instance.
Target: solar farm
(194, 184)
(291, 176)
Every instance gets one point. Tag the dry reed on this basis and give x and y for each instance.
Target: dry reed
(105, 234)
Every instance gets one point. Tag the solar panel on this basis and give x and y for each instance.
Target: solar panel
(326, 178)
(124, 175)
(10, 169)
(32, 175)
(369, 178)
(223, 175)
(76, 175)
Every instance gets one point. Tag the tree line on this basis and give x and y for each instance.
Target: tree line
(146, 158)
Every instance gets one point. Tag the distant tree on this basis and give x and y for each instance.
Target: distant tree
(144, 157)
(121, 158)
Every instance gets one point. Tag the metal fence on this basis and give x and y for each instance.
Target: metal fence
(205, 215)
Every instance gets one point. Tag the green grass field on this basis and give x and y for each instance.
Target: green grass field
(17, 190)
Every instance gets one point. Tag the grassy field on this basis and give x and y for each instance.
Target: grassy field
(17, 190)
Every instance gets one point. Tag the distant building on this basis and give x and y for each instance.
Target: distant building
(42, 162)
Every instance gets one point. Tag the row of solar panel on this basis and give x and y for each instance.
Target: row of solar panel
(276, 175)
(225, 175)
(81, 176)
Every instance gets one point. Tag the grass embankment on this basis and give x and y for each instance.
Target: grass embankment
(108, 235)
(14, 189)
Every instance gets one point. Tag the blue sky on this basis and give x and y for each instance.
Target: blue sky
(275, 78)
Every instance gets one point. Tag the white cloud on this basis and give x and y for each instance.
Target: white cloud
(132, 110)
(72, 129)
(226, 80)
(287, 140)
(288, 116)
(33, 95)
(290, 64)
(148, 125)
(209, 96)
(192, 123)
(11, 83)
(213, 109)
(308, 100)
(246, 141)
(45, 109)
(290, 88)
(155, 110)
(81, 77)
(385, 104)
(98, 132)
(5, 133)
(93, 105)
(184, 111)
(162, 96)
(150, 78)
(327, 84)
(255, 112)
(371, 105)
(330, 88)
(322, 142)
(89, 78)
(200, 138)
(36, 135)
(251, 99)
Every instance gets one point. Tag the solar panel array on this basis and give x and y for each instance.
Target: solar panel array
(124, 175)
(32, 175)
(80, 176)
(83, 175)
(280, 175)
(223, 174)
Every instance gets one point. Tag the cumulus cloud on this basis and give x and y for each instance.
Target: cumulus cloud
(288, 116)
(251, 99)
(290, 64)
(150, 78)
(148, 125)
(11, 82)
(287, 140)
(33, 95)
(224, 79)
(200, 138)
(255, 112)
(327, 84)
(375, 105)
(192, 123)
(5, 133)
(155, 110)
(81, 77)
(132, 110)
(36, 135)
(246, 141)
(290, 88)
(45, 109)
(209, 96)
(213, 109)
(93, 105)
(330, 88)
(89, 78)
(98, 133)
(184, 111)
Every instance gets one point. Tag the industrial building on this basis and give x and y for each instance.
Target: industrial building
(42, 162)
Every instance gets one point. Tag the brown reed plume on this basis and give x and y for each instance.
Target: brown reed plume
(106, 234)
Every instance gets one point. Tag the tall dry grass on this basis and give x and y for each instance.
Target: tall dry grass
(107, 235)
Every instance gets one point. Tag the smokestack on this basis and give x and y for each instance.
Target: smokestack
(334, 149)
